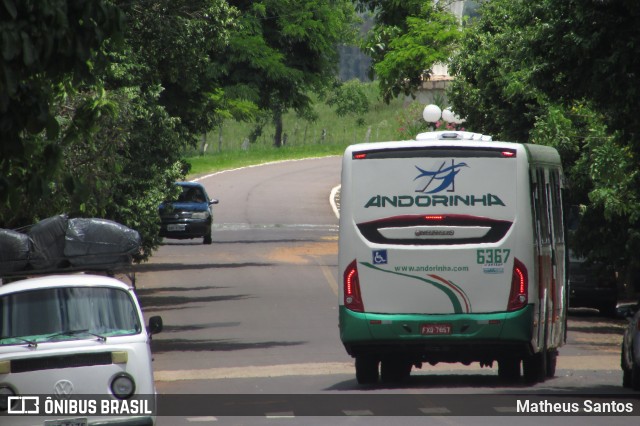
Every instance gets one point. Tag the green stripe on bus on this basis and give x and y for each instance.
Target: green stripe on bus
(457, 307)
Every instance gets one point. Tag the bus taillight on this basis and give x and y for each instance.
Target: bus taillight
(518, 297)
(352, 297)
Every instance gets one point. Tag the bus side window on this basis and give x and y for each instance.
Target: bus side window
(556, 207)
(545, 232)
(535, 206)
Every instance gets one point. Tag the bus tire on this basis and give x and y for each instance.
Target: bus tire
(395, 370)
(367, 370)
(509, 369)
(626, 372)
(534, 367)
(635, 377)
(552, 361)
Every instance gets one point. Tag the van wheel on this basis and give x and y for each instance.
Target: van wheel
(367, 370)
(534, 367)
(395, 370)
(509, 369)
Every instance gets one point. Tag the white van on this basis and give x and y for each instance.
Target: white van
(68, 336)
(452, 250)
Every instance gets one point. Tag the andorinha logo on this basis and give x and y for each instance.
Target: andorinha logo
(486, 200)
(433, 182)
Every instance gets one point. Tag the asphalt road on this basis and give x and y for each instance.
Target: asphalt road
(254, 315)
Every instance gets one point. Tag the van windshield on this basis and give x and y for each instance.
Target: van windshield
(66, 313)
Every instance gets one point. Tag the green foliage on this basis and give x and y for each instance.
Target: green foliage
(166, 85)
(349, 99)
(176, 45)
(560, 74)
(492, 89)
(286, 49)
(408, 39)
(309, 130)
(410, 121)
(408, 59)
(50, 49)
(102, 111)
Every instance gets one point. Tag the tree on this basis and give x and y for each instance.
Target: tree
(348, 98)
(563, 74)
(50, 48)
(285, 49)
(407, 40)
(166, 90)
(97, 123)
(492, 89)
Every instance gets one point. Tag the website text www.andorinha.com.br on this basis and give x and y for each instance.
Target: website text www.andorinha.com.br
(431, 268)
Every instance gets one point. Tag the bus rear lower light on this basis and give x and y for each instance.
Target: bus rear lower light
(518, 296)
(352, 295)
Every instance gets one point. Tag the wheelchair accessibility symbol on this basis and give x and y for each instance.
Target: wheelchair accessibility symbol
(379, 257)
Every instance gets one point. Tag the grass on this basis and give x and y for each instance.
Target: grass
(330, 134)
(234, 158)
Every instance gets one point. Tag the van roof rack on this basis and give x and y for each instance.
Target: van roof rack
(453, 135)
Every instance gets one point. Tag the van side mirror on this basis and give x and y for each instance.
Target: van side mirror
(155, 325)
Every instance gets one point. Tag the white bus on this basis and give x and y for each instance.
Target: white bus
(452, 249)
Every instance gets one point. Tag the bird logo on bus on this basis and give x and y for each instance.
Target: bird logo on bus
(439, 180)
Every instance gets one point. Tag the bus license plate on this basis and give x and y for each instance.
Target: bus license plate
(435, 329)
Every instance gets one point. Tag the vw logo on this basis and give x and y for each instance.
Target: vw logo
(63, 388)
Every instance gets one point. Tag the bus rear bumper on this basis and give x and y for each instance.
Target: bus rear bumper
(462, 338)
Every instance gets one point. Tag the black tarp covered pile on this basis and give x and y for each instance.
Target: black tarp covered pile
(59, 242)
(99, 241)
(47, 243)
(14, 251)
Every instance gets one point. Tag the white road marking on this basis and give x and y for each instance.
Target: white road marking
(281, 415)
(332, 201)
(435, 410)
(505, 409)
(328, 275)
(357, 412)
(206, 419)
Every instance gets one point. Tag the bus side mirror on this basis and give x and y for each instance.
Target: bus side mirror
(155, 325)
